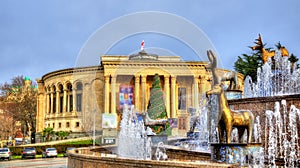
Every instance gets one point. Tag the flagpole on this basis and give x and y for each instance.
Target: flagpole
(142, 45)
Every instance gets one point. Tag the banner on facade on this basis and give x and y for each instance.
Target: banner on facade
(109, 120)
(126, 95)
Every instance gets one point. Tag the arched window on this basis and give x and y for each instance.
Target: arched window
(79, 97)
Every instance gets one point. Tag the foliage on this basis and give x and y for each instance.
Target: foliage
(47, 133)
(248, 64)
(19, 99)
(62, 134)
(156, 107)
(293, 59)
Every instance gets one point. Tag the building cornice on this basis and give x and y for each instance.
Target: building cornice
(71, 71)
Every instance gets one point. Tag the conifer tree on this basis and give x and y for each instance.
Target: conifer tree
(156, 107)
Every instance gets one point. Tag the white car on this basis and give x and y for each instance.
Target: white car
(49, 152)
(5, 153)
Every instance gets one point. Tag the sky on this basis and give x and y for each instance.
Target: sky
(38, 37)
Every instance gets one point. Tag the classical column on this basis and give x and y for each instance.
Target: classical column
(57, 101)
(173, 96)
(51, 98)
(106, 94)
(113, 94)
(202, 84)
(167, 94)
(68, 101)
(196, 92)
(65, 99)
(144, 79)
(48, 103)
(74, 99)
(136, 92)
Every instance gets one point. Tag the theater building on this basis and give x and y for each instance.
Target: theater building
(80, 99)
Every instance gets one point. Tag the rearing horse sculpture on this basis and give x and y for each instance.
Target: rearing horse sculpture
(267, 54)
(228, 118)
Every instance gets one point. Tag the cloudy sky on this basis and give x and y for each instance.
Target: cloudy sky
(37, 37)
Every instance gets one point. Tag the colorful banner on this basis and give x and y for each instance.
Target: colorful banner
(109, 120)
(126, 95)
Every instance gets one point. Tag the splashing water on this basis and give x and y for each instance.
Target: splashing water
(282, 134)
(133, 140)
(257, 130)
(279, 80)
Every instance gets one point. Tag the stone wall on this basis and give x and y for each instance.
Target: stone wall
(259, 106)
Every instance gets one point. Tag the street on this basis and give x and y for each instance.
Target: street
(37, 163)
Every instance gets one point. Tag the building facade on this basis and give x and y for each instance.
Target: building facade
(76, 99)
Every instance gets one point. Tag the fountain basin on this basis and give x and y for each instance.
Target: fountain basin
(104, 157)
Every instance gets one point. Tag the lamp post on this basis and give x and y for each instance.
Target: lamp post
(94, 131)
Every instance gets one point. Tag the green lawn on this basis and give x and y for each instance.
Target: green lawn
(37, 156)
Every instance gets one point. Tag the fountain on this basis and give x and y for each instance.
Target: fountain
(274, 97)
(226, 122)
(280, 80)
(283, 135)
(134, 135)
(271, 138)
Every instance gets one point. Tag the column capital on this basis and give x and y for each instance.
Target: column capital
(137, 77)
(173, 78)
(144, 78)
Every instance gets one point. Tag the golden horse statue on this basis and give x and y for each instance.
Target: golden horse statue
(267, 54)
(228, 118)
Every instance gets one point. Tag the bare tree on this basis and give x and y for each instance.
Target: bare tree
(20, 98)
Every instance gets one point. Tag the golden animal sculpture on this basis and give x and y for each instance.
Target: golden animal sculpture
(267, 54)
(228, 119)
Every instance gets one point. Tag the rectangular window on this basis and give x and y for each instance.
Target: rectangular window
(61, 104)
(71, 103)
(53, 125)
(77, 124)
(182, 123)
(78, 102)
(59, 125)
(68, 124)
(181, 98)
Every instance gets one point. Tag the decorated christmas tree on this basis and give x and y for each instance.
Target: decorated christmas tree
(156, 107)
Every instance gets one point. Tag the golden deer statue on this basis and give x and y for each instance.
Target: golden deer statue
(227, 118)
(267, 54)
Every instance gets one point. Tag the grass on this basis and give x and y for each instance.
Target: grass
(85, 142)
(37, 156)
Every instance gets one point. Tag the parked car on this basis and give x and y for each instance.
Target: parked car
(29, 152)
(49, 152)
(5, 153)
(68, 151)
